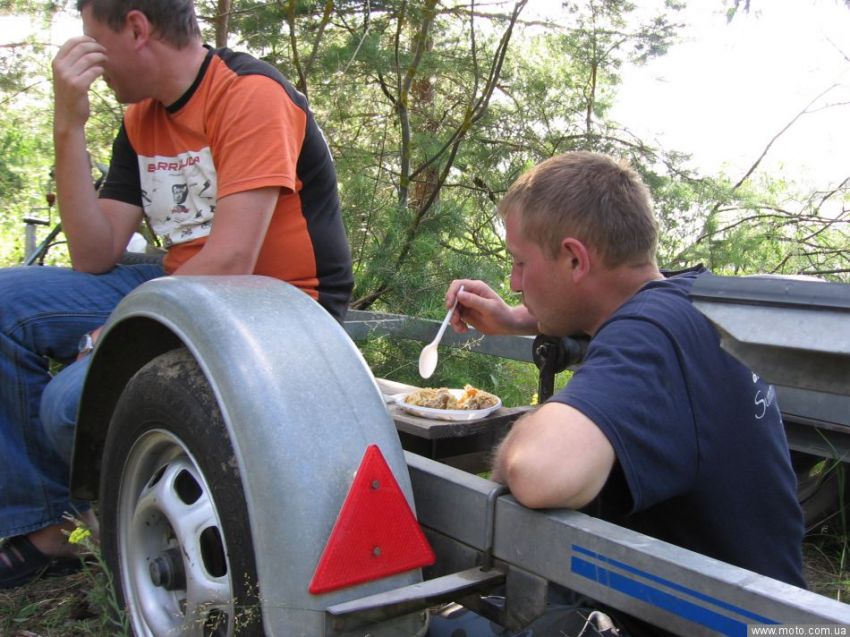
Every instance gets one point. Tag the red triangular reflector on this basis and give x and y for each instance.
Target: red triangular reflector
(375, 535)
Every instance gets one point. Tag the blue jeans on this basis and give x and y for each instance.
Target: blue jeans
(43, 313)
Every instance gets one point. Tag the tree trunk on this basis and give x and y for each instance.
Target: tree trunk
(222, 23)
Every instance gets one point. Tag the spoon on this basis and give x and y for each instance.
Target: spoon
(428, 355)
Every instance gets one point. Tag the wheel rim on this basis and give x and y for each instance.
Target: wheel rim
(174, 568)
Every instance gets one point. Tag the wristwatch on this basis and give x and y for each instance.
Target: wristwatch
(86, 345)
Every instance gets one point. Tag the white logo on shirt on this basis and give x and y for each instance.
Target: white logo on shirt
(763, 400)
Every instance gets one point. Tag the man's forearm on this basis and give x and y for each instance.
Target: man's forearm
(216, 262)
(89, 234)
(91, 238)
(238, 232)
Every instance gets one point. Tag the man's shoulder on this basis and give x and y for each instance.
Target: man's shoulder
(662, 300)
(245, 65)
(242, 63)
(242, 66)
(661, 310)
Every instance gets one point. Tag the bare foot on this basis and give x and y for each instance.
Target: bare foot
(53, 540)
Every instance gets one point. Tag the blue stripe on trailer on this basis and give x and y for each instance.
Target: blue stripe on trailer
(650, 594)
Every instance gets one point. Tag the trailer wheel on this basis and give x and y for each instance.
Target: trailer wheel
(176, 533)
(823, 488)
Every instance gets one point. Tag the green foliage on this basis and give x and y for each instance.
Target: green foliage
(26, 140)
(102, 595)
(768, 226)
(25, 159)
(431, 112)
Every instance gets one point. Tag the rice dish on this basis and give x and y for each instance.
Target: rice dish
(442, 398)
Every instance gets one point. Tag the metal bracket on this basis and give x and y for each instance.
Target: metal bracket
(373, 609)
(490, 525)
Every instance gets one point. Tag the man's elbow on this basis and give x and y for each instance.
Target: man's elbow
(90, 265)
(230, 262)
(531, 497)
(536, 488)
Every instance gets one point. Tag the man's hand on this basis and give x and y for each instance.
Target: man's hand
(480, 307)
(75, 68)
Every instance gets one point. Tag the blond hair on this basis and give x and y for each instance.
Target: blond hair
(599, 201)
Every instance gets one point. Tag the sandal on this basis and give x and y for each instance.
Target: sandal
(21, 562)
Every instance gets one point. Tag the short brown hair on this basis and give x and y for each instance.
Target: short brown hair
(173, 20)
(592, 197)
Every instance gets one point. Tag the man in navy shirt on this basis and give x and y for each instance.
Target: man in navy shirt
(659, 430)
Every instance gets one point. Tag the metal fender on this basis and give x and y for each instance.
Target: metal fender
(791, 332)
(300, 405)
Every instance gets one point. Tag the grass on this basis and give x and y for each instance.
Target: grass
(82, 604)
(66, 606)
(824, 569)
(826, 552)
(826, 557)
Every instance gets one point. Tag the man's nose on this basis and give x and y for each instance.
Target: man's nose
(515, 282)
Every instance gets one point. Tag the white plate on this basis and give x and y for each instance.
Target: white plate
(445, 414)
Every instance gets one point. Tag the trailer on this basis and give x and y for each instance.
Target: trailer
(252, 479)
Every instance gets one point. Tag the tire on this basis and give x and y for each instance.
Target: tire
(823, 488)
(176, 533)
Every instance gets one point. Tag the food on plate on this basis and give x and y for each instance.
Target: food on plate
(473, 398)
(432, 398)
(443, 398)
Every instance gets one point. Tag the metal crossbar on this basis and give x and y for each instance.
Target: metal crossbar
(668, 586)
(362, 325)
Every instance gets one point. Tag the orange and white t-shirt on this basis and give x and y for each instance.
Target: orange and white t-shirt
(240, 126)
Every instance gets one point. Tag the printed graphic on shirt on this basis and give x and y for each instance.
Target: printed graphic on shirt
(179, 194)
(763, 399)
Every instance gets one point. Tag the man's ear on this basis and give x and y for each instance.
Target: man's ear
(577, 257)
(140, 27)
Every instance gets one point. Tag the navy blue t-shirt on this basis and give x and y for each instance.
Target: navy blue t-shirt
(702, 457)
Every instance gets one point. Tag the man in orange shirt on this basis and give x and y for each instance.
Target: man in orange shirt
(223, 157)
